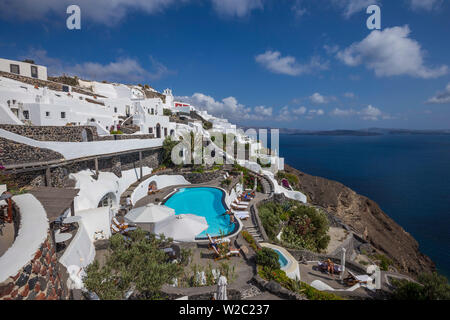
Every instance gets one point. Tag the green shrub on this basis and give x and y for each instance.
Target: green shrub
(268, 258)
(384, 261)
(431, 286)
(251, 241)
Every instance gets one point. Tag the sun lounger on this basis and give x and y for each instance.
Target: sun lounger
(353, 279)
(231, 252)
(213, 242)
(122, 226)
(241, 203)
(243, 215)
(239, 207)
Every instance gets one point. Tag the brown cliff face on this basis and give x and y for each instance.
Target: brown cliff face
(366, 218)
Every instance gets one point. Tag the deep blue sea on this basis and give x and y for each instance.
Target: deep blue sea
(407, 175)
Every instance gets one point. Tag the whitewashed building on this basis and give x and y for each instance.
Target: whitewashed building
(25, 69)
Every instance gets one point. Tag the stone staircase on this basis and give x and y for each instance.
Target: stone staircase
(254, 232)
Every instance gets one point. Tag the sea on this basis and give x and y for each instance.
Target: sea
(407, 175)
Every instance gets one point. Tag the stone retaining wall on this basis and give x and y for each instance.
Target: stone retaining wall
(17, 153)
(53, 133)
(198, 178)
(56, 86)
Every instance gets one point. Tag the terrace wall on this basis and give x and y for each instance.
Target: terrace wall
(17, 153)
(53, 133)
(59, 176)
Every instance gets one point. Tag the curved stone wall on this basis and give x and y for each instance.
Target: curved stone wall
(29, 269)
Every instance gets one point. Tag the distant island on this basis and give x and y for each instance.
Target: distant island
(361, 132)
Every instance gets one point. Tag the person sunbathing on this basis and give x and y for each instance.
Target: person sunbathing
(330, 267)
(232, 218)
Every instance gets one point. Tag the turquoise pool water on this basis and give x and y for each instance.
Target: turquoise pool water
(205, 202)
(281, 259)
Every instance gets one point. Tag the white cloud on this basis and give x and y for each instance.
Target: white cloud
(351, 7)
(237, 8)
(102, 11)
(318, 112)
(263, 111)
(231, 109)
(110, 12)
(298, 9)
(350, 95)
(274, 62)
(317, 98)
(367, 113)
(300, 111)
(441, 97)
(427, 5)
(390, 53)
(123, 69)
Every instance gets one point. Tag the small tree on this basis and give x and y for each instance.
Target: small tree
(168, 145)
(134, 262)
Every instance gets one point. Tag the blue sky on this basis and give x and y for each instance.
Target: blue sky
(283, 63)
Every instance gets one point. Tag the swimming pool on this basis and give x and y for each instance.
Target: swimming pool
(281, 259)
(205, 202)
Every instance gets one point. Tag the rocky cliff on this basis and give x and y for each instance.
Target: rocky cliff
(367, 219)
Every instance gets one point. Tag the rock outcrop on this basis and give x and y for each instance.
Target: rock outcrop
(367, 219)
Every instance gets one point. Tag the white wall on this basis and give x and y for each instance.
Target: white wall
(24, 68)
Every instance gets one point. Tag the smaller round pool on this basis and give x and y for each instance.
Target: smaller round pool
(281, 259)
(204, 202)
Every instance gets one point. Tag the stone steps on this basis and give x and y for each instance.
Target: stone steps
(254, 232)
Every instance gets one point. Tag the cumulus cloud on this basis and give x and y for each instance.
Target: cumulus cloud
(441, 97)
(368, 113)
(228, 107)
(317, 98)
(288, 65)
(390, 53)
(231, 109)
(427, 5)
(299, 111)
(236, 8)
(123, 69)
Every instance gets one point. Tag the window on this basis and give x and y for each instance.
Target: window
(47, 114)
(165, 132)
(34, 71)
(115, 110)
(26, 114)
(14, 68)
(63, 115)
(65, 88)
(150, 130)
(153, 111)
